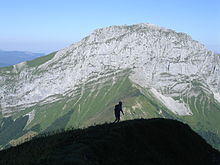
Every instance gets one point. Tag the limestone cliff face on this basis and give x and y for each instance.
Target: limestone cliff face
(163, 60)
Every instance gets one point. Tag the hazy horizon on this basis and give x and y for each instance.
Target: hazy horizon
(47, 26)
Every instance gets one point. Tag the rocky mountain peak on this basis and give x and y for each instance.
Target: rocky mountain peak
(158, 58)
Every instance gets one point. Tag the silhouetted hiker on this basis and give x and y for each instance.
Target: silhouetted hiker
(118, 109)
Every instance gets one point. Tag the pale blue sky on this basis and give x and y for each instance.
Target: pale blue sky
(49, 25)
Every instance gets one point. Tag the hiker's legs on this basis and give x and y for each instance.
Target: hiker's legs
(115, 118)
(118, 118)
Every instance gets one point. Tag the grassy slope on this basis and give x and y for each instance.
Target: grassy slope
(11, 129)
(94, 103)
(40, 60)
(206, 115)
(154, 142)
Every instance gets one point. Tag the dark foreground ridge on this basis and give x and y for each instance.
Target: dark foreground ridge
(151, 142)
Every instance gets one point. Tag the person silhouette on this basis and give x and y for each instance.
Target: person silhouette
(118, 109)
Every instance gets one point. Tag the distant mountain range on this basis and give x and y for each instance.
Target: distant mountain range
(8, 58)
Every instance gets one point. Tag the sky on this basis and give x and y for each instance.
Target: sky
(49, 25)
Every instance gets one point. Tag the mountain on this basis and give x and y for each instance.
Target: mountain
(8, 58)
(154, 141)
(154, 71)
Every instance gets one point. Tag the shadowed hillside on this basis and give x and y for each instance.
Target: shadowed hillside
(152, 142)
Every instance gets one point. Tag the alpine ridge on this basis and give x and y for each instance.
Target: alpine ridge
(152, 141)
(155, 71)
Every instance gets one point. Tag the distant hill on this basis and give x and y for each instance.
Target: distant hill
(152, 141)
(14, 57)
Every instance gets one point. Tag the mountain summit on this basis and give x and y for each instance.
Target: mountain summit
(157, 58)
(155, 71)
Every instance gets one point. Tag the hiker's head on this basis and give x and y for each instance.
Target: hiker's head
(120, 103)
